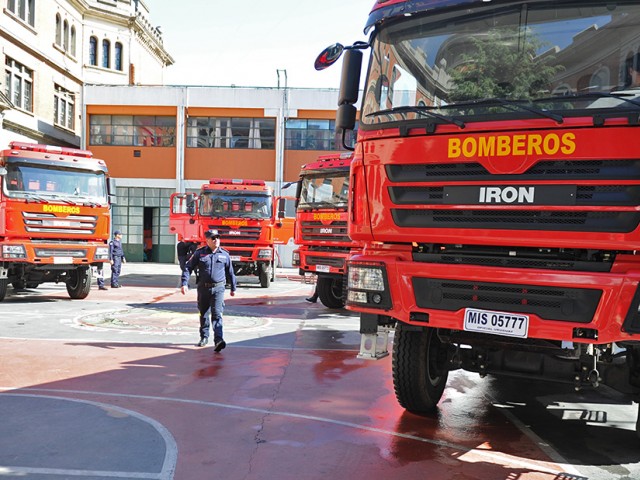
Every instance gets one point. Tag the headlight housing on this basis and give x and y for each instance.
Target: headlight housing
(295, 258)
(367, 285)
(14, 251)
(102, 253)
(265, 253)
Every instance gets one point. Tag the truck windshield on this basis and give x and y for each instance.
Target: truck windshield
(44, 183)
(235, 204)
(325, 190)
(495, 61)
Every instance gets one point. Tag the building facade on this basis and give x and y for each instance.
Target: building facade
(165, 139)
(51, 48)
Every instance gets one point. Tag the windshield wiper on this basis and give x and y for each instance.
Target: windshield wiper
(35, 197)
(513, 105)
(422, 110)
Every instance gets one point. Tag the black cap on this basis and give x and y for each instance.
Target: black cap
(211, 234)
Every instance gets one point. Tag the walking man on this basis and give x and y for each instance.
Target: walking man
(116, 257)
(214, 270)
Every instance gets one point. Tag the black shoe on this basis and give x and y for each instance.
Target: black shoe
(115, 286)
(103, 288)
(311, 299)
(220, 345)
(203, 342)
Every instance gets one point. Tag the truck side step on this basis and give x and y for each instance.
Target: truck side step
(374, 346)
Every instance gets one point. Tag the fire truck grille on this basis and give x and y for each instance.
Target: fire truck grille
(619, 222)
(233, 234)
(49, 223)
(330, 261)
(50, 252)
(576, 305)
(580, 203)
(335, 231)
(235, 250)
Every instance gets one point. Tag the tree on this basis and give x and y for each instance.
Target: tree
(504, 63)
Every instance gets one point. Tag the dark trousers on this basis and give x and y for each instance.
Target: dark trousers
(211, 300)
(115, 270)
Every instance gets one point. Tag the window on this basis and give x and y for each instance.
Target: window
(19, 84)
(63, 108)
(106, 53)
(93, 51)
(23, 9)
(73, 41)
(214, 132)
(310, 134)
(58, 30)
(132, 130)
(65, 36)
(118, 56)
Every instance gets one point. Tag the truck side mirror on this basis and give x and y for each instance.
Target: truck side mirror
(191, 204)
(111, 191)
(281, 208)
(349, 91)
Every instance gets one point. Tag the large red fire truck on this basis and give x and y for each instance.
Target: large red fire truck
(321, 225)
(54, 217)
(243, 211)
(496, 185)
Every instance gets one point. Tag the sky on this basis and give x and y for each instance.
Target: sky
(245, 43)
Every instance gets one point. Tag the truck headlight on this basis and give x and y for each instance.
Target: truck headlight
(14, 251)
(366, 278)
(102, 253)
(367, 285)
(295, 258)
(265, 253)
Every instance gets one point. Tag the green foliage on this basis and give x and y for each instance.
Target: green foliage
(504, 65)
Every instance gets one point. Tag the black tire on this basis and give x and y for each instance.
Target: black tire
(419, 368)
(264, 275)
(4, 284)
(79, 283)
(330, 291)
(18, 285)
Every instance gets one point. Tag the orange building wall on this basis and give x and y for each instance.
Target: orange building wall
(153, 162)
(206, 163)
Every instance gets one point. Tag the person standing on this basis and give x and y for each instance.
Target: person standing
(100, 276)
(215, 268)
(116, 257)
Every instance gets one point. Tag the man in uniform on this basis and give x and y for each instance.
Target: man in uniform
(116, 257)
(214, 269)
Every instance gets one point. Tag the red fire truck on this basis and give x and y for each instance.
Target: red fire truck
(243, 211)
(321, 225)
(496, 185)
(54, 217)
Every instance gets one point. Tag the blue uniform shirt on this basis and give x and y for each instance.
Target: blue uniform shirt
(115, 249)
(213, 267)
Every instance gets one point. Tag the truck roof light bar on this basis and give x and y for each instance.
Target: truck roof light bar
(51, 149)
(235, 181)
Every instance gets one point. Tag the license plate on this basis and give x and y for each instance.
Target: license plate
(235, 258)
(323, 268)
(57, 223)
(62, 260)
(498, 323)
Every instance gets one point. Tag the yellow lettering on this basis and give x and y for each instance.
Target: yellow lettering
(454, 147)
(469, 147)
(487, 146)
(534, 147)
(504, 145)
(519, 142)
(551, 144)
(568, 143)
